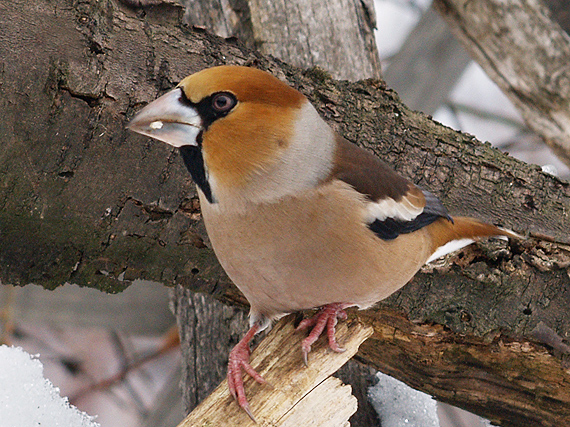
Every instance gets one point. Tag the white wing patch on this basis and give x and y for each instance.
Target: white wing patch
(403, 210)
(449, 247)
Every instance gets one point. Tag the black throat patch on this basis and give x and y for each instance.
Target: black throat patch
(192, 156)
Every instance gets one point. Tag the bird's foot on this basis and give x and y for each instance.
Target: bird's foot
(238, 361)
(327, 316)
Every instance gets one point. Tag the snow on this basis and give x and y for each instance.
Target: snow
(399, 405)
(27, 399)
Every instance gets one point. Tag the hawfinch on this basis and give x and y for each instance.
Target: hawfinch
(298, 216)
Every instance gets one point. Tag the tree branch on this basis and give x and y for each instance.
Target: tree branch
(337, 36)
(296, 391)
(526, 54)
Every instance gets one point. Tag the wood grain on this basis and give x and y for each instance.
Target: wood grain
(299, 395)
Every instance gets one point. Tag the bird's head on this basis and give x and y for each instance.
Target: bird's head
(245, 136)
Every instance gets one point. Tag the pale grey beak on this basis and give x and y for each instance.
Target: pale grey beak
(168, 119)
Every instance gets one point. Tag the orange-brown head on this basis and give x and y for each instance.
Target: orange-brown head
(240, 128)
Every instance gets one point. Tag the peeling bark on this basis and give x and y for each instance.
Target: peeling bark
(511, 381)
(296, 390)
(84, 201)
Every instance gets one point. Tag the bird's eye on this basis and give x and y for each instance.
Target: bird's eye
(223, 102)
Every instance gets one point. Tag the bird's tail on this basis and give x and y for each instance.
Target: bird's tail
(449, 236)
(473, 228)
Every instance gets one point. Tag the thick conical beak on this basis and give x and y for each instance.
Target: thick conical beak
(168, 119)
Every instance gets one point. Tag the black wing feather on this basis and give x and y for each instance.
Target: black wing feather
(390, 228)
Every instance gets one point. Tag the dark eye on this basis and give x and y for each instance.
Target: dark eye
(223, 102)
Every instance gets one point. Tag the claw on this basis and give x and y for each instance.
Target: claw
(238, 361)
(306, 357)
(248, 412)
(327, 317)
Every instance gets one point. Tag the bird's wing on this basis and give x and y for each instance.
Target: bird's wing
(395, 205)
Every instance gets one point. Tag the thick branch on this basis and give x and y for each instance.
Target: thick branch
(511, 381)
(526, 54)
(83, 201)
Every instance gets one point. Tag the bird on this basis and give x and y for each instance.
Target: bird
(298, 216)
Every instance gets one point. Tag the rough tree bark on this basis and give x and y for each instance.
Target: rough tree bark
(84, 201)
(526, 54)
(337, 36)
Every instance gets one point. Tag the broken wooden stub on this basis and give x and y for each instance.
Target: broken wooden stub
(300, 395)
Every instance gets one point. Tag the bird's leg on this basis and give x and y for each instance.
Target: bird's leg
(238, 360)
(327, 316)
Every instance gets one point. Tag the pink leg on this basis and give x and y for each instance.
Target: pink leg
(326, 317)
(238, 360)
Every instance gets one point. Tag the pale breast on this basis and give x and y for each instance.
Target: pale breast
(307, 251)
